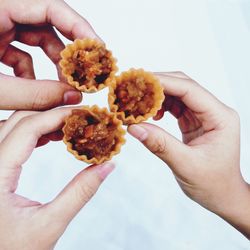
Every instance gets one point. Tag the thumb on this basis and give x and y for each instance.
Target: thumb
(160, 143)
(27, 94)
(77, 193)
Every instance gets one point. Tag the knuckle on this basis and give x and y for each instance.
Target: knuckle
(43, 99)
(23, 59)
(234, 114)
(184, 75)
(20, 118)
(27, 58)
(159, 146)
(17, 115)
(39, 100)
(85, 192)
(181, 73)
(24, 121)
(193, 84)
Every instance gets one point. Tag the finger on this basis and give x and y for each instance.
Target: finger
(77, 193)
(35, 95)
(160, 114)
(57, 13)
(72, 25)
(177, 74)
(188, 122)
(186, 90)
(196, 98)
(54, 136)
(2, 123)
(20, 61)
(12, 121)
(44, 37)
(172, 104)
(18, 145)
(42, 142)
(160, 143)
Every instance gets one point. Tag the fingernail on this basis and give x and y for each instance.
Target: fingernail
(105, 169)
(72, 97)
(138, 132)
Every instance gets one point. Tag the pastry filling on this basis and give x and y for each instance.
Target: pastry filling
(91, 66)
(134, 97)
(91, 135)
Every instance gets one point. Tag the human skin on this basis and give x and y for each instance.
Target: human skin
(206, 164)
(33, 22)
(27, 224)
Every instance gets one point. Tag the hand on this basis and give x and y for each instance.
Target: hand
(26, 224)
(31, 22)
(207, 164)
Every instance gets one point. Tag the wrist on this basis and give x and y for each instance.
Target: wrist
(235, 207)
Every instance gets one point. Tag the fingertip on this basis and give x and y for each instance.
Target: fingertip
(105, 169)
(159, 115)
(83, 30)
(55, 136)
(138, 132)
(42, 141)
(101, 171)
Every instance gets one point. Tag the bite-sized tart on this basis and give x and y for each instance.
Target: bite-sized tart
(88, 65)
(135, 96)
(93, 135)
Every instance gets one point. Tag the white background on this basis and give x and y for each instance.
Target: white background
(140, 206)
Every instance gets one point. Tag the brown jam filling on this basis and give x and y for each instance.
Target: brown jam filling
(91, 66)
(91, 135)
(134, 97)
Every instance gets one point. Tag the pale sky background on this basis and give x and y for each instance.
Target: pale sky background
(140, 206)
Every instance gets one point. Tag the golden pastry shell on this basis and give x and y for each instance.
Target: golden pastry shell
(94, 110)
(67, 67)
(132, 74)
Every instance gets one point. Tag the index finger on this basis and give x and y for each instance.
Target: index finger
(18, 145)
(56, 12)
(68, 21)
(193, 95)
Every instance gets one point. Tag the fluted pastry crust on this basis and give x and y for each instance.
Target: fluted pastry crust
(88, 65)
(93, 135)
(135, 96)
